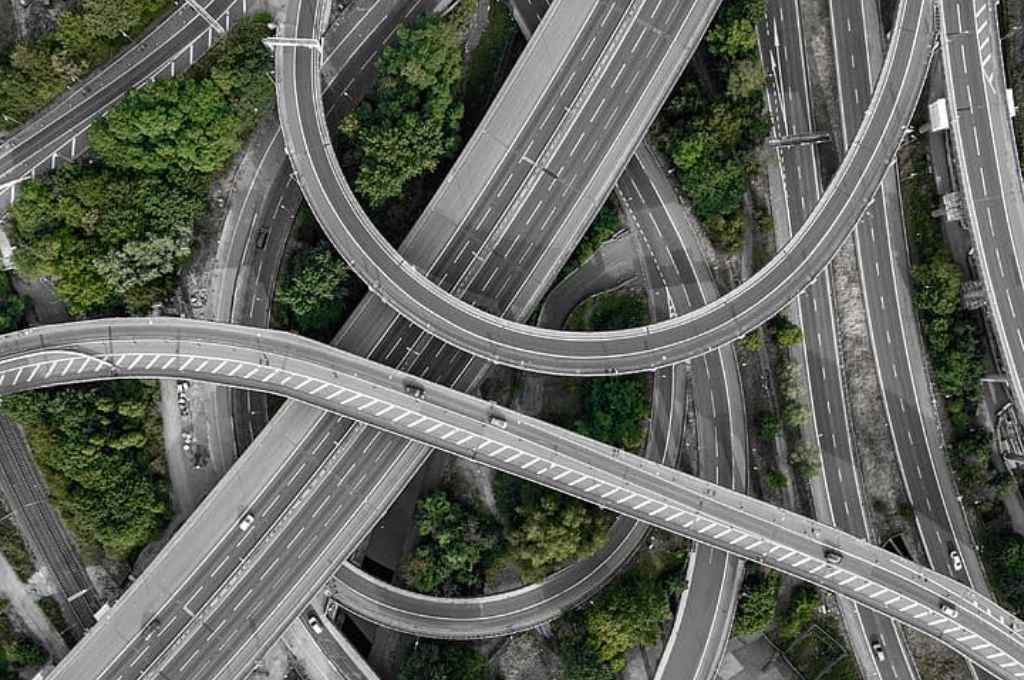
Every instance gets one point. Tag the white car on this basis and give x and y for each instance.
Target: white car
(314, 623)
(955, 560)
(878, 650)
(948, 609)
(246, 522)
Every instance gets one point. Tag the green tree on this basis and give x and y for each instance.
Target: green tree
(768, 427)
(580, 661)
(431, 660)
(412, 120)
(752, 341)
(756, 608)
(803, 605)
(313, 291)
(108, 240)
(179, 125)
(455, 546)
(805, 460)
(12, 305)
(786, 333)
(545, 529)
(629, 613)
(776, 479)
(615, 411)
(97, 447)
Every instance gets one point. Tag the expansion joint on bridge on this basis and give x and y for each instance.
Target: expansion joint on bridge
(311, 43)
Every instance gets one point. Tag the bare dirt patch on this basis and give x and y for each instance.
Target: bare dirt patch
(526, 657)
(873, 445)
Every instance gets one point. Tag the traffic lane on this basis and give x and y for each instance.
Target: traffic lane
(351, 45)
(578, 151)
(564, 453)
(915, 450)
(591, 350)
(50, 134)
(219, 564)
(541, 196)
(782, 54)
(714, 576)
(830, 420)
(328, 512)
(976, 84)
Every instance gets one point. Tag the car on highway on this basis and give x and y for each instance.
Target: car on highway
(833, 556)
(878, 650)
(261, 237)
(948, 609)
(955, 560)
(498, 421)
(246, 522)
(151, 629)
(414, 390)
(314, 623)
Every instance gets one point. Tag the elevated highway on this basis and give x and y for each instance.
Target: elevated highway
(452, 421)
(476, 331)
(59, 132)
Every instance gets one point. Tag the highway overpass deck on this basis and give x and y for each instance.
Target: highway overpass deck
(478, 332)
(455, 422)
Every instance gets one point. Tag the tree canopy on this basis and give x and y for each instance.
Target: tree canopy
(107, 239)
(86, 35)
(313, 291)
(413, 118)
(97, 447)
(431, 660)
(711, 128)
(113, 234)
(628, 613)
(546, 529)
(12, 305)
(456, 543)
(756, 608)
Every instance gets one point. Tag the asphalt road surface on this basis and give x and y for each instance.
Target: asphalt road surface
(464, 425)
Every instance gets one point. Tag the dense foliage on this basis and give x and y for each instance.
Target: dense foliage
(711, 135)
(756, 608)
(615, 410)
(628, 613)
(97, 447)
(192, 124)
(431, 660)
(13, 547)
(1003, 550)
(87, 35)
(546, 529)
(414, 116)
(16, 650)
(108, 239)
(113, 234)
(456, 544)
(313, 293)
(785, 333)
(12, 305)
(581, 662)
(952, 337)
